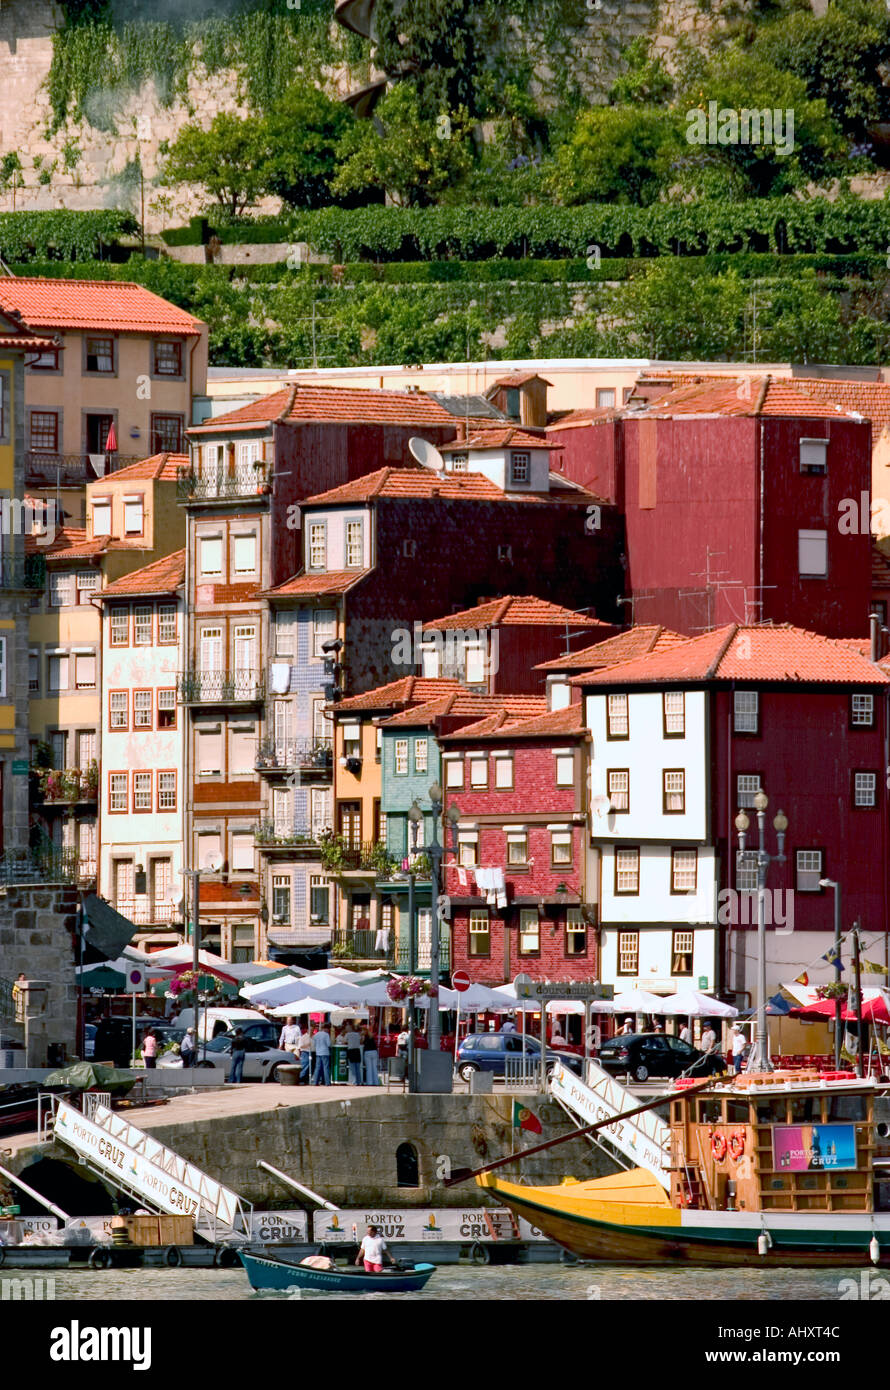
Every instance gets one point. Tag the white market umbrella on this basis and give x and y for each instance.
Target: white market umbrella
(477, 998)
(692, 1003)
(308, 1005)
(637, 1001)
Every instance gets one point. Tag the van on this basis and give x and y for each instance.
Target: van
(251, 1023)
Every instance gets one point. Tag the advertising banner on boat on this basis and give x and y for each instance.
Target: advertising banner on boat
(813, 1148)
(419, 1224)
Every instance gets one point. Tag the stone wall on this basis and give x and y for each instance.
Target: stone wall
(36, 926)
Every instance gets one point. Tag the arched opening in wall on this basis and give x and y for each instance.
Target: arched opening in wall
(71, 1188)
(407, 1166)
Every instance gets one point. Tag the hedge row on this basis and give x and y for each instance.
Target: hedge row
(63, 235)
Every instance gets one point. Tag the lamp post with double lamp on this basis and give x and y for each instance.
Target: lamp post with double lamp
(759, 1060)
(415, 820)
(838, 1005)
(437, 853)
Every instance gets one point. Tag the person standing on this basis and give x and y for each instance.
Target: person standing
(402, 1042)
(239, 1048)
(322, 1075)
(686, 1034)
(508, 1026)
(304, 1047)
(187, 1048)
(353, 1041)
(738, 1048)
(370, 1058)
(149, 1050)
(626, 1029)
(290, 1037)
(708, 1039)
(372, 1250)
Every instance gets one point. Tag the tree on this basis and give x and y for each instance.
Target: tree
(414, 159)
(798, 320)
(228, 160)
(616, 154)
(670, 313)
(438, 43)
(304, 131)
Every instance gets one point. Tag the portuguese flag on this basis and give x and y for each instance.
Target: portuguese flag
(525, 1119)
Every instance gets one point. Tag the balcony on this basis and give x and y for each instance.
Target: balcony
(221, 687)
(370, 859)
(144, 913)
(223, 485)
(23, 572)
(43, 864)
(295, 755)
(70, 470)
(67, 788)
(270, 835)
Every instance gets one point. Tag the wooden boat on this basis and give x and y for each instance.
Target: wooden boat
(268, 1272)
(763, 1170)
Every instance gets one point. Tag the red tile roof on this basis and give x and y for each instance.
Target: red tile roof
(514, 611)
(163, 467)
(766, 653)
(72, 543)
(868, 398)
(637, 641)
(463, 703)
(163, 576)
(410, 690)
(347, 403)
(572, 419)
(421, 483)
(13, 342)
(563, 723)
(499, 437)
(744, 395)
(517, 379)
(117, 306)
(308, 585)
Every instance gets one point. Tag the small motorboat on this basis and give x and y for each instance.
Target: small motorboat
(269, 1272)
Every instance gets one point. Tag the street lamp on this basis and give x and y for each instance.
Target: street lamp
(437, 853)
(838, 1007)
(415, 821)
(759, 1059)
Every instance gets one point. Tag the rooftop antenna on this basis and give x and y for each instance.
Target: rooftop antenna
(714, 584)
(633, 600)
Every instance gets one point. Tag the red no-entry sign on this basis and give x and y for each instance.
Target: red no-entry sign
(460, 981)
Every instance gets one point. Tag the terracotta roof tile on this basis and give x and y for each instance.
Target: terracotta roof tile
(421, 483)
(407, 691)
(744, 395)
(118, 306)
(561, 723)
(518, 379)
(307, 585)
(164, 467)
(163, 576)
(358, 404)
(499, 437)
(72, 543)
(513, 611)
(465, 704)
(637, 641)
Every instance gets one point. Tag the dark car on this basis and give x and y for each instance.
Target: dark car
(642, 1055)
(489, 1052)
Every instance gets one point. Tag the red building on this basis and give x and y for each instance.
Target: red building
(518, 888)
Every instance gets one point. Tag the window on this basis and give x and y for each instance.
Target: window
(248, 452)
(57, 671)
(746, 711)
(118, 710)
(44, 431)
(352, 742)
(576, 932)
(166, 791)
(812, 554)
(281, 813)
(565, 769)
(674, 791)
(560, 848)
(674, 711)
(243, 751)
(321, 725)
(628, 952)
(167, 623)
(503, 773)
(319, 899)
(141, 709)
(86, 748)
(529, 931)
(285, 630)
(746, 872)
(321, 813)
(142, 791)
(460, 463)
(245, 554)
(520, 466)
(353, 545)
(627, 872)
(324, 629)
(242, 851)
(454, 772)
(617, 722)
(421, 747)
(85, 671)
(814, 456)
(517, 847)
(479, 935)
(400, 757)
(210, 555)
(747, 784)
(865, 789)
(142, 615)
(618, 789)
(167, 359)
(210, 751)
(101, 516)
(33, 670)
(475, 663)
(166, 709)
(605, 398)
(99, 355)
(281, 899)
(59, 743)
(468, 848)
(47, 361)
(862, 711)
(809, 870)
(684, 871)
(166, 434)
(87, 583)
(61, 590)
(117, 791)
(133, 516)
(479, 772)
(120, 627)
(209, 847)
(317, 547)
(681, 953)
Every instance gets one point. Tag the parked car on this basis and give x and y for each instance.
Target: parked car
(251, 1023)
(489, 1052)
(642, 1055)
(261, 1061)
(89, 1040)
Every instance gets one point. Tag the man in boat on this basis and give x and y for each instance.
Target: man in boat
(372, 1250)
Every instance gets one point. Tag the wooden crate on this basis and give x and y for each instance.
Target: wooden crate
(143, 1230)
(176, 1230)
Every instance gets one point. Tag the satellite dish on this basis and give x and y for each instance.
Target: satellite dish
(601, 806)
(427, 454)
(176, 897)
(214, 862)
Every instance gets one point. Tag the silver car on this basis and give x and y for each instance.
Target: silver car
(261, 1059)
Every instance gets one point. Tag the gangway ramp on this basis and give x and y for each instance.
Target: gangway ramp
(645, 1140)
(155, 1176)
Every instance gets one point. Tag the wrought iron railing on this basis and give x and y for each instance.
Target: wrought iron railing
(144, 912)
(221, 687)
(47, 470)
(401, 954)
(40, 865)
(22, 572)
(71, 784)
(370, 857)
(245, 480)
(276, 835)
(360, 943)
(286, 755)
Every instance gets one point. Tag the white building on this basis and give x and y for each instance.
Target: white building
(142, 796)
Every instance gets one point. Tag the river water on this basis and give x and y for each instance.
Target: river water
(543, 1283)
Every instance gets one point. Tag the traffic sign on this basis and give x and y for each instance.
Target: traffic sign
(135, 980)
(460, 981)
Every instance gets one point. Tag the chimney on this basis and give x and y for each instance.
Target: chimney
(875, 626)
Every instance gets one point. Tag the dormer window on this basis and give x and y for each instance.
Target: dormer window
(520, 466)
(460, 463)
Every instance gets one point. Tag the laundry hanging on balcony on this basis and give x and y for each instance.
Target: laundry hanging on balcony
(381, 940)
(279, 677)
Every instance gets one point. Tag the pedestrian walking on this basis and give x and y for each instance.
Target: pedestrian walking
(290, 1037)
(372, 1250)
(304, 1047)
(239, 1048)
(149, 1050)
(187, 1048)
(322, 1075)
(370, 1058)
(353, 1041)
(739, 1043)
